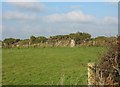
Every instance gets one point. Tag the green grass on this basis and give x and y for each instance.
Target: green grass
(40, 66)
(0, 67)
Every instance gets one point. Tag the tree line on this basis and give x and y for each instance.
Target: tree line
(78, 37)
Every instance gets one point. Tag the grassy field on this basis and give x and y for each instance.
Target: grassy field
(40, 66)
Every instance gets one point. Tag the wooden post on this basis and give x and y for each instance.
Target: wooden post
(91, 74)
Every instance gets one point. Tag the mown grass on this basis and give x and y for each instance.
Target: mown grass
(40, 66)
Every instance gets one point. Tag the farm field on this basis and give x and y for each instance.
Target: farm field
(48, 66)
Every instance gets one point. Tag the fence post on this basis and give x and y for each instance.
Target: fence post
(91, 74)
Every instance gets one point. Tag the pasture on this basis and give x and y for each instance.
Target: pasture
(48, 66)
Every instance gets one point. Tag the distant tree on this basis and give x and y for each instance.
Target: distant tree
(35, 40)
(32, 39)
(10, 41)
(24, 42)
(101, 38)
(41, 39)
(17, 40)
(105, 41)
(79, 36)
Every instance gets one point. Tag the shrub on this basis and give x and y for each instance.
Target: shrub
(109, 67)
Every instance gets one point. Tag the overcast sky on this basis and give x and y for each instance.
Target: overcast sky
(24, 19)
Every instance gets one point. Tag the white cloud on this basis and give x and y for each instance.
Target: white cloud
(63, 23)
(18, 15)
(74, 16)
(111, 0)
(80, 17)
(61, 0)
(110, 20)
(20, 1)
(29, 6)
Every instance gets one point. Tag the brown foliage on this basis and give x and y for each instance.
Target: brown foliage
(109, 67)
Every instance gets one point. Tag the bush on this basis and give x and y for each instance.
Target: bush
(109, 67)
